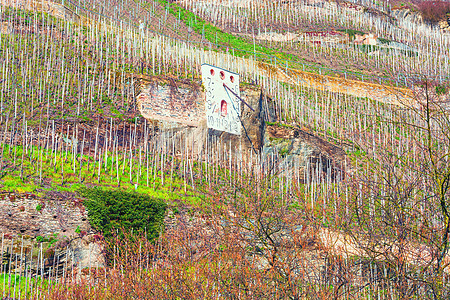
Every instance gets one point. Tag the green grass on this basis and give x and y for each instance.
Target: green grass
(279, 124)
(22, 284)
(242, 47)
(62, 176)
(351, 32)
(384, 41)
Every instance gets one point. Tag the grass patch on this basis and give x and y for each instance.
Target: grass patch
(352, 33)
(384, 41)
(38, 170)
(240, 46)
(22, 285)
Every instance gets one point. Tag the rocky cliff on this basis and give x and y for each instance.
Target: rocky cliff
(178, 106)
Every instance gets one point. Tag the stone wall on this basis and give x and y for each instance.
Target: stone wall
(34, 216)
(378, 92)
(57, 217)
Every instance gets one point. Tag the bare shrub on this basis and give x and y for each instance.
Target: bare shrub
(434, 11)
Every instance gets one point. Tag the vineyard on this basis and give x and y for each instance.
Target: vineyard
(338, 187)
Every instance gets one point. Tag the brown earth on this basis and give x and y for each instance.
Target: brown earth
(378, 92)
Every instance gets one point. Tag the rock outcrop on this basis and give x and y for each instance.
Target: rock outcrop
(445, 25)
(293, 151)
(179, 103)
(406, 15)
(178, 106)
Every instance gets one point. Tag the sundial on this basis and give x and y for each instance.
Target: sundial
(223, 104)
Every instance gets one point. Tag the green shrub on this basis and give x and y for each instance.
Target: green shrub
(351, 32)
(384, 41)
(441, 90)
(113, 210)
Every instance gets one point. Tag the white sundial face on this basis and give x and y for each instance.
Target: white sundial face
(223, 108)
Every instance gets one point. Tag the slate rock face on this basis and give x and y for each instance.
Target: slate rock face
(291, 151)
(178, 106)
(171, 100)
(445, 25)
(252, 134)
(85, 253)
(406, 15)
(289, 148)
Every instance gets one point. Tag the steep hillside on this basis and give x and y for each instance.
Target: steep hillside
(113, 185)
